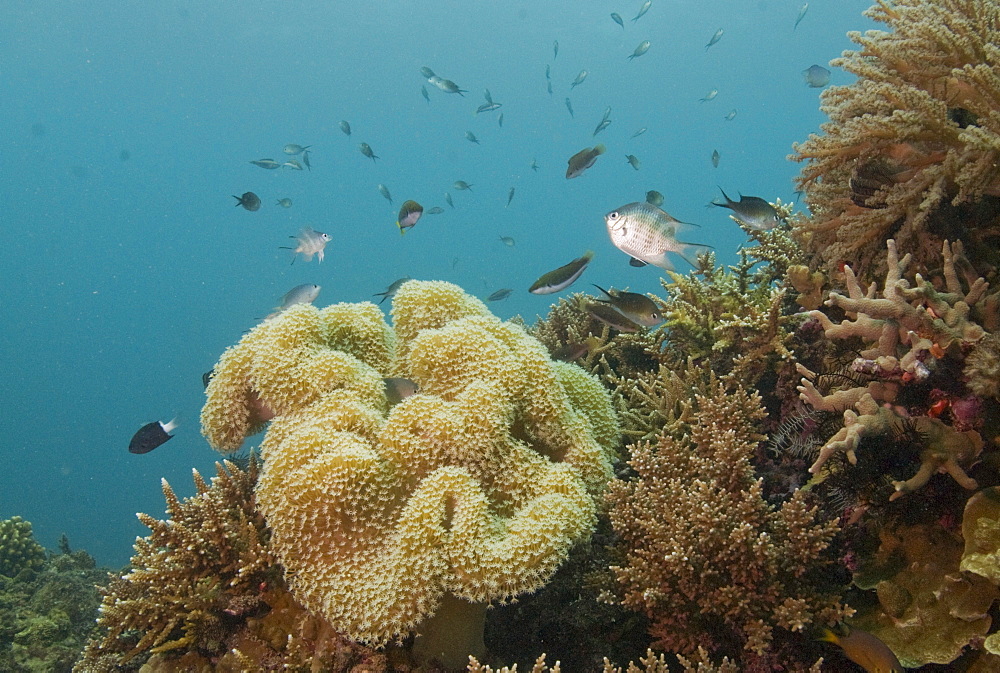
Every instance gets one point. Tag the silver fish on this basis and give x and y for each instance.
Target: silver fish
(569, 106)
(709, 96)
(447, 86)
(461, 185)
(816, 76)
(548, 72)
(390, 291)
(640, 50)
(447, 199)
(384, 191)
(579, 79)
(605, 123)
(555, 49)
(423, 92)
(715, 158)
(647, 234)
(639, 132)
(300, 294)
(633, 161)
(752, 211)
(715, 38)
(802, 13)
(294, 164)
(293, 149)
(510, 197)
(435, 210)
(534, 165)
(471, 137)
(305, 160)
(397, 390)
(500, 295)
(507, 240)
(345, 126)
(548, 86)
(426, 72)
(731, 115)
(269, 164)
(488, 96)
(642, 10)
(366, 150)
(616, 17)
(285, 202)
(311, 242)
(500, 120)
(654, 197)
(488, 107)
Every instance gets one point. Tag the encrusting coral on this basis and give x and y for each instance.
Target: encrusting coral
(415, 516)
(706, 558)
(912, 147)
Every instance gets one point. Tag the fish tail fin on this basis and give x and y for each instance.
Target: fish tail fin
(589, 255)
(826, 635)
(600, 148)
(239, 200)
(726, 197)
(402, 229)
(690, 251)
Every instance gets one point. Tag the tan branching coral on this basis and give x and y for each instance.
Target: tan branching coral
(470, 491)
(705, 554)
(905, 331)
(912, 147)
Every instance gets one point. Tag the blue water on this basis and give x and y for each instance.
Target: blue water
(127, 127)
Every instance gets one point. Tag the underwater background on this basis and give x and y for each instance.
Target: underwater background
(127, 269)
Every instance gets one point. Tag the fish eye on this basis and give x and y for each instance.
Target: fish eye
(614, 215)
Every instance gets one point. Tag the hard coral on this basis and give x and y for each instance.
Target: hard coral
(18, 549)
(707, 559)
(912, 147)
(470, 491)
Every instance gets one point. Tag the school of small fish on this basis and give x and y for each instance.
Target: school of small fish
(642, 230)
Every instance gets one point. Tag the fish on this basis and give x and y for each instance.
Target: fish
(510, 196)
(612, 318)
(249, 201)
(293, 164)
(709, 96)
(384, 191)
(715, 158)
(345, 126)
(423, 92)
(269, 164)
(447, 86)
(500, 295)
(569, 106)
(471, 137)
(555, 49)
(579, 79)
(436, 210)
(409, 213)
(802, 13)
(731, 115)
(607, 113)
(715, 38)
(293, 149)
(151, 435)
(300, 294)
(311, 242)
(397, 390)
(447, 199)
(570, 351)
(207, 377)
(633, 161)
(508, 241)
(642, 10)
(582, 160)
(639, 132)
(488, 107)
(640, 50)
(366, 150)
(653, 197)
(500, 120)
(461, 185)
(534, 165)
(390, 291)
(426, 72)
(605, 123)
(646, 233)
(616, 17)
(548, 86)
(816, 76)
(305, 160)
(284, 203)
(753, 211)
(548, 71)
(865, 650)
(636, 307)
(561, 278)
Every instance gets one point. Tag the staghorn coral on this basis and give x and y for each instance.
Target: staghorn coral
(416, 517)
(912, 147)
(707, 559)
(18, 550)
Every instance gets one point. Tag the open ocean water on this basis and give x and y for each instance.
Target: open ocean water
(127, 269)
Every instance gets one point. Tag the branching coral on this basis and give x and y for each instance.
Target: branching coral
(18, 549)
(470, 491)
(705, 553)
(913, 146)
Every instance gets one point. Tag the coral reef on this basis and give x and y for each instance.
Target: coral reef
(415, 517)
(707, 559)
(47, 611)
(912, 147)
(18, 549)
